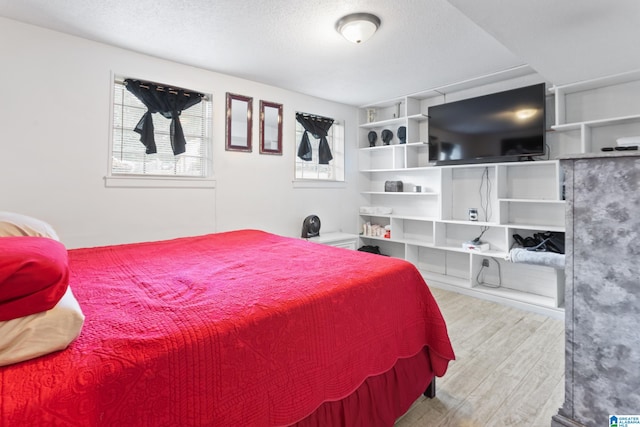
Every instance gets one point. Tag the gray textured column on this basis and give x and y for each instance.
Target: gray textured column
(602, 294)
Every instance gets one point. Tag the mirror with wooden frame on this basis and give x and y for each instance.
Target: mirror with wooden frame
(238, 122)
(270, 128)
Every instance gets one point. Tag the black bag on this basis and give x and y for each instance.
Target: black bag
(553, 241)
(370, 249)
(550, 241)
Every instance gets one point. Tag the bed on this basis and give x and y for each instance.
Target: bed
(242, 328)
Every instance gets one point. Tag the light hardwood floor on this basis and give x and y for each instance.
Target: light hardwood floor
(509, 368)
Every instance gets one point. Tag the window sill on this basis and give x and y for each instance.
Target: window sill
(299, 183)
(158, 182)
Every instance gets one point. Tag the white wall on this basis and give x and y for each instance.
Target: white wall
(54, 139)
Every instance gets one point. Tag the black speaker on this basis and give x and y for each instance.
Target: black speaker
(402, 134)
(310, 227)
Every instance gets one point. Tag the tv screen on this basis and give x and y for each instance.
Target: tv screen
(503, 126)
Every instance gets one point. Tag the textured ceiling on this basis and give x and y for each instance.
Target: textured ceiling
(293, 45)
(421, 44)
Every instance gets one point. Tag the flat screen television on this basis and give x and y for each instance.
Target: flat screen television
(500, 127)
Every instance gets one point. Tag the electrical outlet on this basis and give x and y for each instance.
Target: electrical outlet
(485, 262)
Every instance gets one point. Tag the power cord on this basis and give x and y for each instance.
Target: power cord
(485, 263)
(485, 202)
(547, 152)
(478, 240)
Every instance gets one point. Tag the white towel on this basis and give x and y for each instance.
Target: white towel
(548, 259)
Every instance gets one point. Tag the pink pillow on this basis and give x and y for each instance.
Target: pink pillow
(34, 274)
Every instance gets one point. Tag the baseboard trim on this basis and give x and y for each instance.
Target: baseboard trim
(562, 421)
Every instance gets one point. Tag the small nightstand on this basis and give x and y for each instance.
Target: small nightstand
(337, 239)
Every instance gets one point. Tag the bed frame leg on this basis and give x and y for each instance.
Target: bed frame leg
(430, 392)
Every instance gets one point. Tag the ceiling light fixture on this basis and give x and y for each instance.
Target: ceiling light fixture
(358, 27)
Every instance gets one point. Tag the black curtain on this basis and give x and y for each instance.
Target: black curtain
(319, 128)
(169, 102)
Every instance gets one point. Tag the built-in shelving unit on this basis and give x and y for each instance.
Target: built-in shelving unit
(428, 227)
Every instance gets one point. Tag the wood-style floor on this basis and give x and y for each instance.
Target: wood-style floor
(509, 368)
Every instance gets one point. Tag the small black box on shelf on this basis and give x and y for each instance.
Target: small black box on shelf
(393, 186)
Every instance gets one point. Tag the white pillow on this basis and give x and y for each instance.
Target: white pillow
(14, 224)
(38, 334)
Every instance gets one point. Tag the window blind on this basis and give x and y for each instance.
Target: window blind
(311, 170)
(128, 153)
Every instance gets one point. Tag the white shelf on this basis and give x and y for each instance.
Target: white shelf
(463, 222)
(536, 227)
(416, 169)
(376, 215)
(402, 241)
(407, 217)
(382, 147)
(493, 254)
(385, 239)
(490, 252)
(403, 193)
(524, 164)
(419, 117)
(382, 123)
(561, 202)
(476, 165)
(414, 218)
(597, 123)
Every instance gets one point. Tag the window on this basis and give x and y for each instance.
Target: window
(312, 170)
(129, 157)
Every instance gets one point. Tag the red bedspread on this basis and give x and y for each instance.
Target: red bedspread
(232, 329)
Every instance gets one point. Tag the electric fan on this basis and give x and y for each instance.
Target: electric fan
(310, 227)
